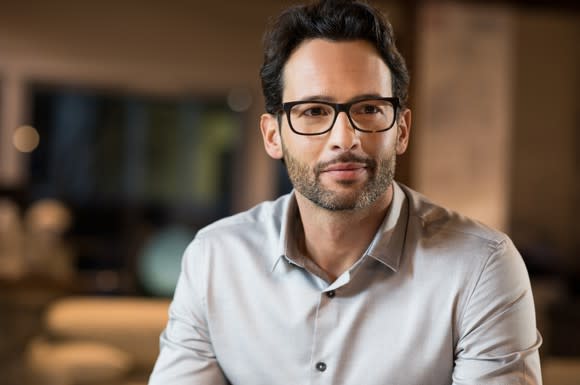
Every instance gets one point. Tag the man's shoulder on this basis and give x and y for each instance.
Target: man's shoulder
(265, 215)
(435, 219)
(438, 236)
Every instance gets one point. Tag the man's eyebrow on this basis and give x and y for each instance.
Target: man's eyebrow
(330, 99)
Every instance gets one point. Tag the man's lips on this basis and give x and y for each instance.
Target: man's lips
(339, 167)
(346, 168)
(345, 171)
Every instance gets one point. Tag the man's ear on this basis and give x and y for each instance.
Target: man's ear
(271, 136)
(403, 131)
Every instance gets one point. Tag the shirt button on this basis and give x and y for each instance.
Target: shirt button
(321, 366)
(330, 294)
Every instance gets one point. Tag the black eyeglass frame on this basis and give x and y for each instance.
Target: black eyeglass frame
(338, 108)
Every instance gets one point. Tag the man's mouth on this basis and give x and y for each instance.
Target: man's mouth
(346, 165)
(338, 167)
(345, 172)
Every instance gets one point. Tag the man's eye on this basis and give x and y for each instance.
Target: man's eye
(370, 109)
(315, 111)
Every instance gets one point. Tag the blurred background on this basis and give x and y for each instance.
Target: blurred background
(126, 126)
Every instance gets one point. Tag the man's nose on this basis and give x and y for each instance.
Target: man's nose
(343, 135)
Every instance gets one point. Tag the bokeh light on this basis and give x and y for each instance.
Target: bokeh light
(25, 139)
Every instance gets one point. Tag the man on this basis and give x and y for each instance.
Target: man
(351, 278)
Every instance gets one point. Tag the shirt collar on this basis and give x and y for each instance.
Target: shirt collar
(286, 243)
(386, 246)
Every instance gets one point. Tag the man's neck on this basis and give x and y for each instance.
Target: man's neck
(335, 240)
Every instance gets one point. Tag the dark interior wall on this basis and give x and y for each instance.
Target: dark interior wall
(172, 45)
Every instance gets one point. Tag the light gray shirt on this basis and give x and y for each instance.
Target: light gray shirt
(436, 299)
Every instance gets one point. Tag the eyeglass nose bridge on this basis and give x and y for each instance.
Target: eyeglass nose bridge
(343, 107)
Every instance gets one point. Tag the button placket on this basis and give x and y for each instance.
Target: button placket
(327, 316)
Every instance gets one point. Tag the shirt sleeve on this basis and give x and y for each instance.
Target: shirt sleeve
(498, 341)
(186, 355)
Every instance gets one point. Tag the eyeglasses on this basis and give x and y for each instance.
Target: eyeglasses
(318, 117)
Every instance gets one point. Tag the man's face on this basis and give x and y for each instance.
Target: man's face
(343, 169)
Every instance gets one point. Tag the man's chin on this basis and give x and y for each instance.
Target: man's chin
(337, 200)
(343, 186)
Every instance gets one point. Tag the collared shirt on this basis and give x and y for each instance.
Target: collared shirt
(436, 299)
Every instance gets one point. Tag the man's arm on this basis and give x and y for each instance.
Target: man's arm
(498, 341)
(186, 354)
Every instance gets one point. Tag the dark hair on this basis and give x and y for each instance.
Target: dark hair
(337, 20)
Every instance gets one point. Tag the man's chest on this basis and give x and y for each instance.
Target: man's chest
(378, 328)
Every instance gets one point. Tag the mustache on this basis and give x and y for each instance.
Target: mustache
(346, 158)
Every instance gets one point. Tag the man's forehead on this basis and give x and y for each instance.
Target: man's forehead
(325, 67)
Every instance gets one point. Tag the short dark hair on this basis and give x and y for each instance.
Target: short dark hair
(338, 20)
